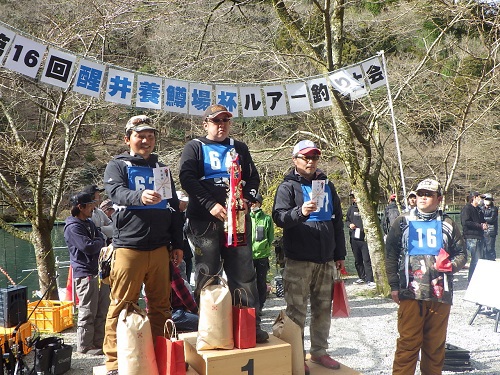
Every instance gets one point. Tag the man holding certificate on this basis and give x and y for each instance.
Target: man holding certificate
(308, 209)
(147, 231)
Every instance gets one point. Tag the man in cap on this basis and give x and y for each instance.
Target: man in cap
(424, 248)
(490, 213)
(99, 217)
(391, 212)
(205, 177)
(473, 227)
(262, 239)
(84, 241)
(147, 231)
(359, 246)
(411, 200)
(308, 209)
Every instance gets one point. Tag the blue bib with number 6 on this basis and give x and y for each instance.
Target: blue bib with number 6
(425, 237)
(141, 178)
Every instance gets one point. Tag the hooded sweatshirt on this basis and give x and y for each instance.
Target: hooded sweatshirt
(84, 243)
(135, 225)
(318, 237)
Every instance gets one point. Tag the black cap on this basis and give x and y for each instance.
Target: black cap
(91, 189)
(259, 198)
(475, 194)
(81, 198)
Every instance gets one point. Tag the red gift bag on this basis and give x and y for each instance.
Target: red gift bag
(169, 352)
(244, 329)
(340, 305)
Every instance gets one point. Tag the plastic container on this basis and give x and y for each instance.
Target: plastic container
(51, 316)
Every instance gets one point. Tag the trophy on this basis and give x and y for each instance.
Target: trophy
(234, 226)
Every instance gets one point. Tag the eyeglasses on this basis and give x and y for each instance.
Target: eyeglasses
(429, 194)
(217, 120)
(308, 158)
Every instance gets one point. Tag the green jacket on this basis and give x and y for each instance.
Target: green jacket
(262, 234)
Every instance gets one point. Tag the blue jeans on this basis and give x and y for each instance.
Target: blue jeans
(476, 249)
(209, 242)
(489, 247)
(185, 321)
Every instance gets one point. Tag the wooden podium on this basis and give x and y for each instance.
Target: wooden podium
(271, 358)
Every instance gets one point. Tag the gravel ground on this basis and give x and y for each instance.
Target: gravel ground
(366, 340)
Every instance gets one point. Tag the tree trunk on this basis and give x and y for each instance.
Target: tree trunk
(45, 259)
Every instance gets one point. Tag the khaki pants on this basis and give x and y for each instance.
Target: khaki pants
(131, 269)
(311, 281)
(422, 326)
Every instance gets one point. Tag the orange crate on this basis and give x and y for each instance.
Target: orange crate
(23, 333)
(51, 316)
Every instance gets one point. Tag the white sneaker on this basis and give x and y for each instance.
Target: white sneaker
(372, 285)
(359, 281)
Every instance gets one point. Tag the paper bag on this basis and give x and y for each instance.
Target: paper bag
(134, 342)
(244, 329)
(340, 304)
(287, 330)
(169, 352)
(215, 327)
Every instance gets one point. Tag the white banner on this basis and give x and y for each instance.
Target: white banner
(24, 55)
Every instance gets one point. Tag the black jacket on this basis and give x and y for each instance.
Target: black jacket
(353, 217)
(84, 243)
(204, 194)
(472, 219)
(490, 214)
(145, 229)
(313, 241)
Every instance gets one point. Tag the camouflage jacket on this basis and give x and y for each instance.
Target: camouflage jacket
(415, 276)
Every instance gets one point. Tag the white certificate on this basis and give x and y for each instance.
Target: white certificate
(162, 182)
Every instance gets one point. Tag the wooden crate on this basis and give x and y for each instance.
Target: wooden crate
(271, 358)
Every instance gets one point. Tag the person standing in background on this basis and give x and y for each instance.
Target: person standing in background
(362, 260)
(99, 217)
(411, 200)
(473, 227)
(84, 241)
(490, 213)
(391, 212)
(262, 239)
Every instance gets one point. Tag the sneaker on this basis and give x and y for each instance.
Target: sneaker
(306, 369)
(326, 361)
(359, 281)
(261, 336)
(112, 372)
(372, 285)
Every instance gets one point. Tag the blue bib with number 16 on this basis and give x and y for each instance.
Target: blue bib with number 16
(425, 237)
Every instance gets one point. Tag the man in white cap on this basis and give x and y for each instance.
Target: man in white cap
(424, 248)
(490, 213)
(308, 209)
(411, 200)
